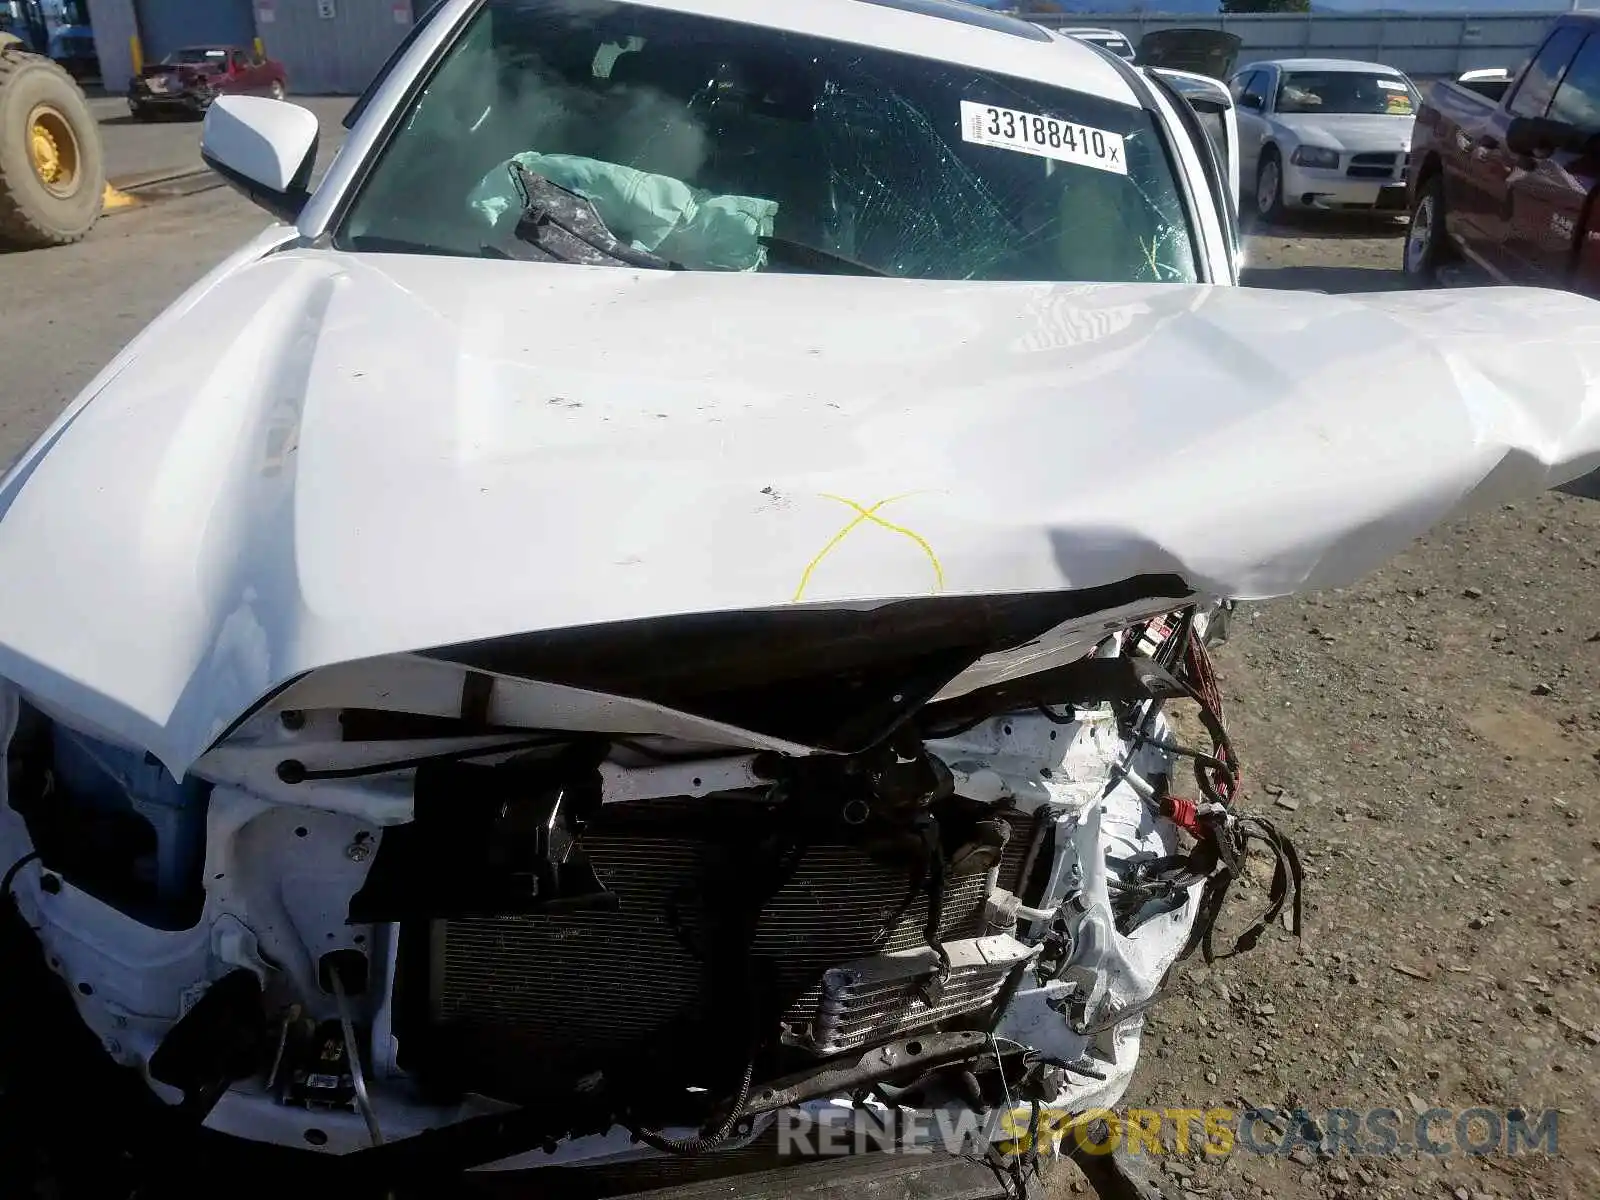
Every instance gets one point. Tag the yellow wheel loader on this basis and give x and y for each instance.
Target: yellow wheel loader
(52, 166)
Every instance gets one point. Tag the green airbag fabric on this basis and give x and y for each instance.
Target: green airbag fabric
(655, 213)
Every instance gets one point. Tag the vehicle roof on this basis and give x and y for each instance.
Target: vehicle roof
(1320, 64)
(969, 14)
(942, 30)
(1084, 30)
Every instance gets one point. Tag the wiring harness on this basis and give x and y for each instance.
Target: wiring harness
(1222, 835)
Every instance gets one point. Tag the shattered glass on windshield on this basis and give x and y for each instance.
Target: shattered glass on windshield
(904, 199)
(719, 146)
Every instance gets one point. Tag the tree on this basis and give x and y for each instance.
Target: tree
(1266, 6)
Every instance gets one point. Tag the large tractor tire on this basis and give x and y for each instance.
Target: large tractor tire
(52, 166)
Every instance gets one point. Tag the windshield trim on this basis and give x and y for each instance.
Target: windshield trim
(1140, 84)
(445, 33)
(330, 234)
(1215, 170)
(419, 27)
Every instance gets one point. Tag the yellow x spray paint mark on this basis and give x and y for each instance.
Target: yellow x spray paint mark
(864, 515)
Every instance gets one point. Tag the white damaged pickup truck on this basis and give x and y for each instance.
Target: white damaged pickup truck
(651, 602)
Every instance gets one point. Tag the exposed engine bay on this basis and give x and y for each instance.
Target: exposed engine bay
(437, 942)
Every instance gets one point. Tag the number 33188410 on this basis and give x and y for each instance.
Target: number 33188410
(1048, 137)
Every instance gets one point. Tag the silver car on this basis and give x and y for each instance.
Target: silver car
(1324, 133)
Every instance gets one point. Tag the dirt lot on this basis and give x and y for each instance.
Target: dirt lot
(1430, 739)
(1327, 255)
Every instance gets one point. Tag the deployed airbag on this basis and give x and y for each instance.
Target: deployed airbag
(655, 213)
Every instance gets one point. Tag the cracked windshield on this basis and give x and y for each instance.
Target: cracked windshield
(587, 132)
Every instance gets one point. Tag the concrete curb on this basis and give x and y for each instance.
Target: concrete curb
(129, 191)
(145, 179)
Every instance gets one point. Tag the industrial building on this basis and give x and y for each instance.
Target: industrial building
(329, 47)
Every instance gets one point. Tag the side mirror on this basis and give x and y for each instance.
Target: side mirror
(263, 148)
(1252, 101)
(1540, 137)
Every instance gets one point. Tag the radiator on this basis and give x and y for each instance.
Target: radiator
(886, 995)
(584, 985)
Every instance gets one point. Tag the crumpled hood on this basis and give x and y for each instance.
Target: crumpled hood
(1356, 133)
(341, 456)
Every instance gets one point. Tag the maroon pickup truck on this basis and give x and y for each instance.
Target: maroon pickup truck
(1504, 176)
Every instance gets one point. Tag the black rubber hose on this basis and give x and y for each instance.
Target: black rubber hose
(687, 1147)
(11, 873)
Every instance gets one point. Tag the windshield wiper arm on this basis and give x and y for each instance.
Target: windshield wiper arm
(824, 261)
(559, 225)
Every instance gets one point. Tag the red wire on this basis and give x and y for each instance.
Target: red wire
(1185, 814)
(1203, 676)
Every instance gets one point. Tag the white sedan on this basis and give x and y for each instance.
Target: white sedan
(1324, 134)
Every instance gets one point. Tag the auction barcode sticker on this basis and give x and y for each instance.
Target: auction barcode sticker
(1047, 137)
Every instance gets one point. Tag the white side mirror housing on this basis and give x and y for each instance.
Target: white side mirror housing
(264, 148)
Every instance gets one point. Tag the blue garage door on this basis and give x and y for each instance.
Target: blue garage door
(165, 25)
(335, 46)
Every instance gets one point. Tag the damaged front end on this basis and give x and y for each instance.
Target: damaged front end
(744, 822)
(567, 900)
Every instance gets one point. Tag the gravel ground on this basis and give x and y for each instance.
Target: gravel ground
(1430, 740)
(1330, 254)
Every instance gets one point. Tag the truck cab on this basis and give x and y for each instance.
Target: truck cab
(1508, 184)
